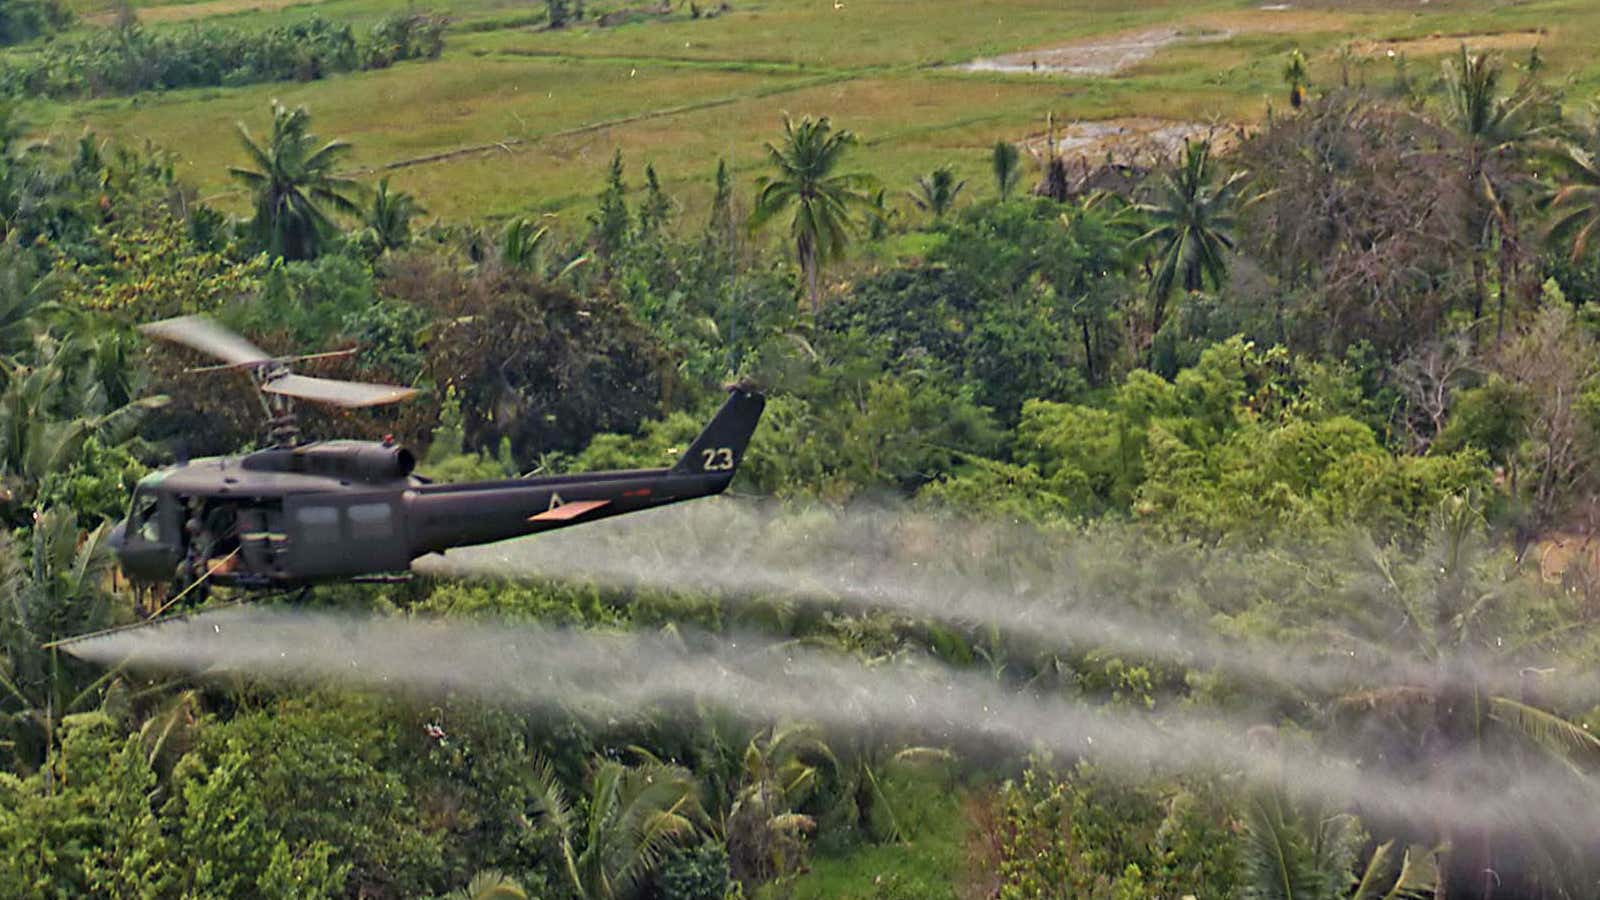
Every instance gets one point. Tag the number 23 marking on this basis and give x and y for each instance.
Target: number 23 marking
(717, 460)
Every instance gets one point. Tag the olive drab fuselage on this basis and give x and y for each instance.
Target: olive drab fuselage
(337, 510)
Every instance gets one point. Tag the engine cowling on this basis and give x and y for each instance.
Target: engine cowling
(352, 460)
(382, 462)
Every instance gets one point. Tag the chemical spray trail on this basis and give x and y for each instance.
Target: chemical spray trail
(990, 574)
(601, 675)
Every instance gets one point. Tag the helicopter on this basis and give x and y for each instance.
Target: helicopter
(299, 513)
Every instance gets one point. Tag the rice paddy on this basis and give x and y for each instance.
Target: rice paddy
(517, 118)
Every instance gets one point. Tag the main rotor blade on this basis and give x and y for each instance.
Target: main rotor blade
(200, 333)
(339, 393)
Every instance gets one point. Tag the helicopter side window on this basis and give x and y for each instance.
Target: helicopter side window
(370, 522)
(318, 524)
(143, 519)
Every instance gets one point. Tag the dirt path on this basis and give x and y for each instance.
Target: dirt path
(1440, 44)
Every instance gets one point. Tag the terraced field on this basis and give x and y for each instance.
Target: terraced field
(519, 118)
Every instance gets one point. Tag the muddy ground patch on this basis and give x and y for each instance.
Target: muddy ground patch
(1136, 140)
(1098, 57)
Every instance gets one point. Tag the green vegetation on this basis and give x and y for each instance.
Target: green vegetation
(133, 59)
(292, 177)
(24, 20)
(1325, 388)
(493, 126)
(821, 198)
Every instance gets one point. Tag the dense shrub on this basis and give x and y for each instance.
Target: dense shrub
(532, 363)
(1086, 835)
(1244, 444)
(133, 59)
(697, 874)
(24, 20)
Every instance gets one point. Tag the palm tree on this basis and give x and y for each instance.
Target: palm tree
(1576, 203)
(880, 215)
(808, 183)
(784, 768)
(389, 216)
(1301, 852)
(1444, 602)
(1007, 172)
(1088, 273)
(24, 295)
(52, 401)
(1192, 227)
(56, 590)
(490, 884)
(634, 815)
(937, 192)
(1297, 77)
(293, 180)
(522, 244)
(1490, 131)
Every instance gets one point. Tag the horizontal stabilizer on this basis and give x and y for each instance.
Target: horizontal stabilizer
(566, 512)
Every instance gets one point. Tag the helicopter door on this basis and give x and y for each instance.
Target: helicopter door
(261, 537)
(376, 529)
(334, 537)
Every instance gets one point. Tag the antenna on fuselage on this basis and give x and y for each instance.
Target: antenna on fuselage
(276, 384)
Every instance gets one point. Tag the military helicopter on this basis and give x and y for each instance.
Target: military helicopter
(304, 512)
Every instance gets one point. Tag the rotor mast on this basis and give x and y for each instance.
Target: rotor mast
(283, 425)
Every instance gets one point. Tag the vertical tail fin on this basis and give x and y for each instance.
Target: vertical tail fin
(720, 447)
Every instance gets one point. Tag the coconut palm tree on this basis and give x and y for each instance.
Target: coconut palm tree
(1302, 852)
(634, 815)
(1451, 607)
(817, 196)
(1491, 130)
(389, 216)
(1192, 219)
(24, 296)
(53, 399)
(1004, 161)
(1088, 270)
(522, 244)
(880, 215)
(783, 769)
(1576, 203)
(295, 185)
(490, 884)
(1297, 77)
(53, 590)
(936, 193)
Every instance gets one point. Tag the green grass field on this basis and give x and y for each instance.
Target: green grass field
(515, 118)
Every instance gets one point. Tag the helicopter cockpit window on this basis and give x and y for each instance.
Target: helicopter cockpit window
(370, 522)
(318, 524)
(143, 519)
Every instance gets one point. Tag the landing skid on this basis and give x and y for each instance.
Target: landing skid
(388, 578)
